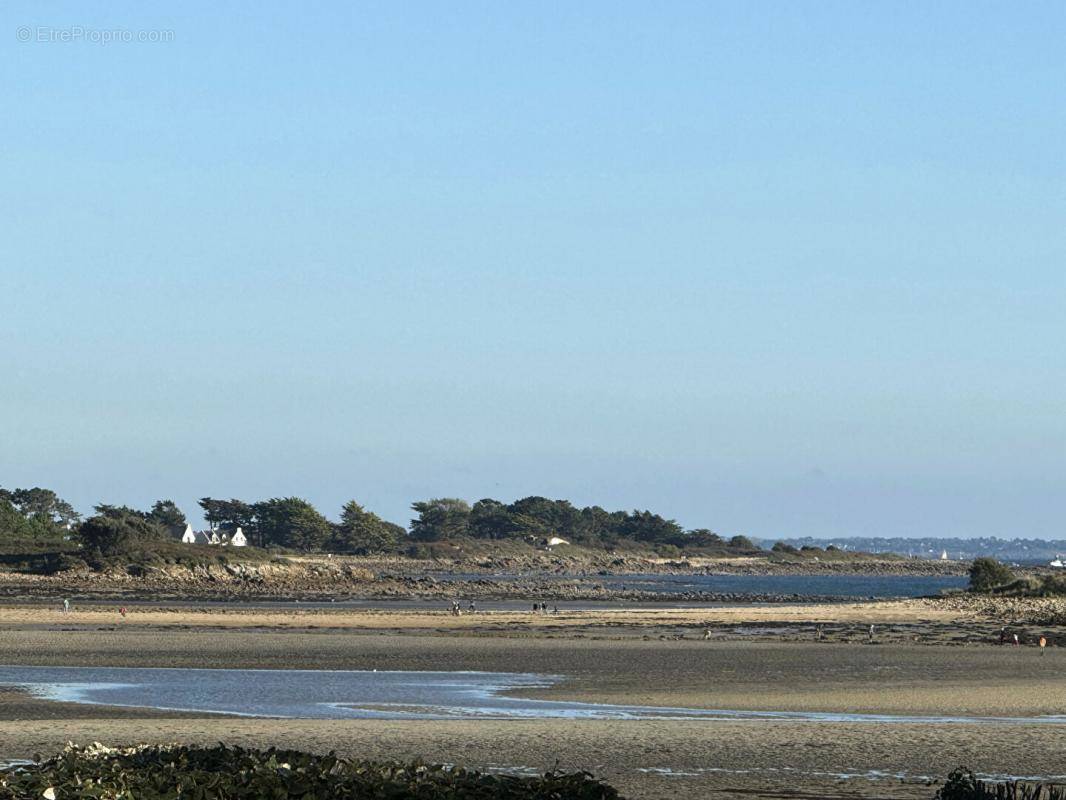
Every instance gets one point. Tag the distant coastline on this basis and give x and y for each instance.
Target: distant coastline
(532, 577)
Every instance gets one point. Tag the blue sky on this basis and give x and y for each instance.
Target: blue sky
(775, 269)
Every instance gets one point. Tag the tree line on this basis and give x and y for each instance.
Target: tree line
(451, 518)
(34, 513)
(294, 523)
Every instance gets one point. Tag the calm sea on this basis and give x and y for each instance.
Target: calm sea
(835, 585)
(808, 585)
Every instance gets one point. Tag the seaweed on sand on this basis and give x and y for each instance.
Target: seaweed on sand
(964, 785)
(170, 772)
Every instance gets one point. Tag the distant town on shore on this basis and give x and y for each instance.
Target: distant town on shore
(1018, 550)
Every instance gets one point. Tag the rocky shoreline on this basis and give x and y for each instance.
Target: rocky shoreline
(396, 579)
(619, 565)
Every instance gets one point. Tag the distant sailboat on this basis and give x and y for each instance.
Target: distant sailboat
(943, 555)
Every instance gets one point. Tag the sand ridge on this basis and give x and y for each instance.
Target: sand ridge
(236, 616)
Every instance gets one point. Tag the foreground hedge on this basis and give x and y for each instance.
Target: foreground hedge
(232, 773)
(964, 785)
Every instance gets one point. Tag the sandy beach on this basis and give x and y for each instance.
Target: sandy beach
(567, 619)
(656, 657)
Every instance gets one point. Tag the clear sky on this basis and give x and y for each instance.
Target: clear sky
(770, 268)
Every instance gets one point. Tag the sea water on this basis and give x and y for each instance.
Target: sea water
(351, 694)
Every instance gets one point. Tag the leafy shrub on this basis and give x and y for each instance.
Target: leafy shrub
(61, 562)
(960, 785)
(213, 773)
(419, 551)
(1033, 586)
(987, 573)
(94, 558)
(434, 550)
(144, 559)
(115, 530)
(964, 785)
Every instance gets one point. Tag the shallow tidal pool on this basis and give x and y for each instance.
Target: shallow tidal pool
(351, 694)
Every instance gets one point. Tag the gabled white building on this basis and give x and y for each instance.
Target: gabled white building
(195, 537)
(214, 537)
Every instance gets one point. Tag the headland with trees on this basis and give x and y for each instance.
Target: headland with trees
(42, 533)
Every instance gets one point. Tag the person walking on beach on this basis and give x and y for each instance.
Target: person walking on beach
(1003, 635)
(871, 633)
(1043, 644)
(1017, 643)
(66, 605)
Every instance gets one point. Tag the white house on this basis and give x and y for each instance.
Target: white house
(216, 537)
(195, 537)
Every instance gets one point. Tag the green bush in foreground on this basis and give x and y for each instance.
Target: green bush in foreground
(233, 773)
(987, 573)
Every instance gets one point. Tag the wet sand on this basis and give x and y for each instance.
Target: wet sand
(628, 663)
(650, 760)
(235, 615)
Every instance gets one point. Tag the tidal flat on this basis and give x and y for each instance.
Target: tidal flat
(625, 657)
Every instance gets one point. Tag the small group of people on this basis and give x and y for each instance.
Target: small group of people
(1007, 637)
(457, 608)
(543, 608)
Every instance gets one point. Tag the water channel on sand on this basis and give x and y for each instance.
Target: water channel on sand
(347, 694)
